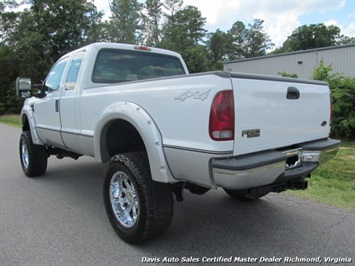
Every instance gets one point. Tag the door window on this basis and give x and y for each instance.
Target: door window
(55, 75)
(73, 71)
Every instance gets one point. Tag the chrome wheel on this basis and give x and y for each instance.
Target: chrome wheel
(24, 154)
(124, 199)
(138, 208)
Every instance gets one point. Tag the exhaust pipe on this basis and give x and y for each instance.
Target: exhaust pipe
(299, 184)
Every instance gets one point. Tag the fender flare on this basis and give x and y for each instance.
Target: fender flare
(27, 113)
(146, 127)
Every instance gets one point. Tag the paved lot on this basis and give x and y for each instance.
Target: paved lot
(59, 219)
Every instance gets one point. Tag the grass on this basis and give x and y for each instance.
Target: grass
(332, 183)
(12, 120)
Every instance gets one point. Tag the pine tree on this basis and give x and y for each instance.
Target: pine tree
(125, 23)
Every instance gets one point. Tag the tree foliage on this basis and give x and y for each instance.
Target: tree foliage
(287, 75)
(314, 36)
(183, 32)
(257, 40)
(183, 28)
(151, 22)
(64, 24)
(343, 95)
(220, 48)
(239, 42)
(249, 41)
(125, 23)
(33, 39)
(39, 36)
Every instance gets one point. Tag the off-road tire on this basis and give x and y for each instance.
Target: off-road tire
(148, 218)
(33, 157)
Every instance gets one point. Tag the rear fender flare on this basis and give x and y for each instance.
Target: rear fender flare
(148, 130)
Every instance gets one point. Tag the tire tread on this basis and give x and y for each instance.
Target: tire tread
(157, 206)
(38, 157)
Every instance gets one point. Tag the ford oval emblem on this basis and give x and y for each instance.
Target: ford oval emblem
(324, 123)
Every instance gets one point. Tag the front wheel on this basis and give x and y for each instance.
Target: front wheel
(138, 208)
(33, 157)
(243, 195)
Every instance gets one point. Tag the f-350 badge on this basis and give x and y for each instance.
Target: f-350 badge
(251, 133)
(194, 95)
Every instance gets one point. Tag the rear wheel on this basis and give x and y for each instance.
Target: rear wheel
(33, 157)
(138, 208)
(243, 195)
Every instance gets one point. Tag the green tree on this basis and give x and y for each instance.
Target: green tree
(343, 95)
(151, 21)
(191, 21)
(257, 40)
(183, 29)
(173, 6)
(238, 34)
(344, 40)
(249, 42)
(184, 33)
(7, 67)
(196, 59)
(8, 23)
(94, 27)
(65, 24)
(220, 48)
(125, 22)
(314, 36)
(33, 39)
(21, 54)
(39, 36)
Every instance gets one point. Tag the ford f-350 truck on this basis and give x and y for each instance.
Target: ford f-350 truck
(161, 130)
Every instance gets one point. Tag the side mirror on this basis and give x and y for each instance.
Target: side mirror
(23, 87)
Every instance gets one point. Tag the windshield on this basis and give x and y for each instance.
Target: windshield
(113, 66)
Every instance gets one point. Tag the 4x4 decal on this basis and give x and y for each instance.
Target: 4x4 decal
(194, 95)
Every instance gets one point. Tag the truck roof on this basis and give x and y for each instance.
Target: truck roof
(108, 45)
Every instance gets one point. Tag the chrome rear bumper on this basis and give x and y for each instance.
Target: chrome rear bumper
(265, 168)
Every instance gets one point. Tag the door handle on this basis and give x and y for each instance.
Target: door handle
(57, 105)
(292, 93)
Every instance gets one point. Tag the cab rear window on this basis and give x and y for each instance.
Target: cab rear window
(114, 66)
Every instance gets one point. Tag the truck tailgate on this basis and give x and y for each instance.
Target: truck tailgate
(273, 112)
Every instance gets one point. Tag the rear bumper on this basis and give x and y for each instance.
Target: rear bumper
(272, 167)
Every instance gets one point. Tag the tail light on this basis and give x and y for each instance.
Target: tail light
(221, 127)
(143, 48)
(331, 109)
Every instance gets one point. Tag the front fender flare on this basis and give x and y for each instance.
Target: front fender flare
(148, 130)
(27, 113)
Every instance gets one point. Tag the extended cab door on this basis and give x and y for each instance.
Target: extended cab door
(46, 110)
(68, 103)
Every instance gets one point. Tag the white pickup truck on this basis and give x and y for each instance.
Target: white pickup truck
(162, 130)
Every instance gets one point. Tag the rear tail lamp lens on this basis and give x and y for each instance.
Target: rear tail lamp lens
(221, 125)
(331, 109)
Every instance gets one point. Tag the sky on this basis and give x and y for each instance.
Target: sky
(281, 17)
